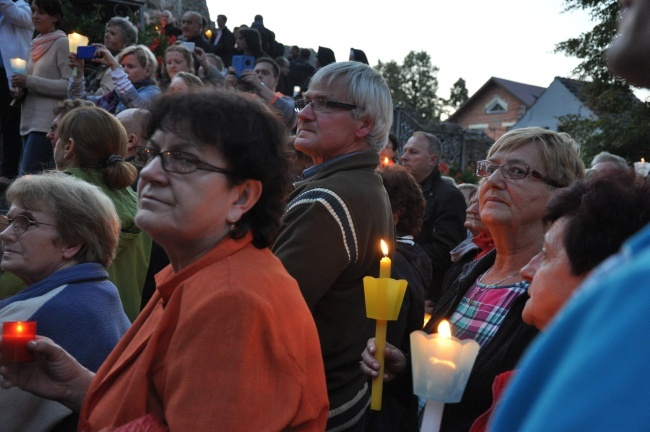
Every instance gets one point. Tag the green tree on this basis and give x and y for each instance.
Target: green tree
(622, 126)
(414, 84)
(458, 95)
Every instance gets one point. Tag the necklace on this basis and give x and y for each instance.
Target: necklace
(479, 282)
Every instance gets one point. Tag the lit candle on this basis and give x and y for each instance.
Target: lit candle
(384, 264)
(18, 65)
(641, 168)
(15, 336)
(384, 298)
(208, 34)
(75, 40)
(441, 367)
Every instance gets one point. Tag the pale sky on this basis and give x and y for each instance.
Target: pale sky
(472, 39)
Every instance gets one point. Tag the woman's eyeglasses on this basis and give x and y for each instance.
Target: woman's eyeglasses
(175, 161)
(21, 223)
(515, 170)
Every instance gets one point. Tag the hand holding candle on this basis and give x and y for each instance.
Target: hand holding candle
(383, 302)
(76, 40)
(18, 66)
(15, 336)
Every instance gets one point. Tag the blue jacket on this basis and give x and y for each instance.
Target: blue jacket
(77, 307)
(589, 371)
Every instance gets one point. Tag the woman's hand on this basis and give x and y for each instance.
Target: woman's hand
(394, 361)
(19, 81)
(54, 374)
(104, 56)
(17, 93)
(75, 62)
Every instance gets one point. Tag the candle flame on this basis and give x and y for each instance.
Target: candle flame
(427, 317)
(384, 247)
(19, 328)
(642, 160)
(444, 330)
(386, 161)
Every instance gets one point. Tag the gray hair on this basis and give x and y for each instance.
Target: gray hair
(367, 89)
(609, 157)
(128, 30)
(434, 146)
(83, 214)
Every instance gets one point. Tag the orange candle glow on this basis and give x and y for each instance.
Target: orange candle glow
(15, 336)
(384, 264)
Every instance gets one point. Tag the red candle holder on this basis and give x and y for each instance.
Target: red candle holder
(15, 336)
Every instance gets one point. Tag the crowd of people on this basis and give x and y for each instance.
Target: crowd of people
(192, 241)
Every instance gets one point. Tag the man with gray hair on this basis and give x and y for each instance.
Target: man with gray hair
(331, 230)
(611, 163)
(192, 26)
(444, 216)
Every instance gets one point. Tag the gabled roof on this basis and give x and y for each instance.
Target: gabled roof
(574, 86)
(526, 93)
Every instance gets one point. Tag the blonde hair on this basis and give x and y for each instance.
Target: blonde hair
(144, 56)
(99, 142)
(560, 155)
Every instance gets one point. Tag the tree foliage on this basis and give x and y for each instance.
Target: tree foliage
(458, 95)
(414, 84)
(622, 125)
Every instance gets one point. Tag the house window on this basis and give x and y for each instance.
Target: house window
(496, 105)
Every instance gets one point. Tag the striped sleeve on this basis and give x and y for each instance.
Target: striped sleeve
(339, 211)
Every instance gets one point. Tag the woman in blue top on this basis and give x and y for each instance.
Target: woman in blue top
(133, 75)
(63, 266)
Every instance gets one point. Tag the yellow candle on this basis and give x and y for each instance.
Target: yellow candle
(384, 264)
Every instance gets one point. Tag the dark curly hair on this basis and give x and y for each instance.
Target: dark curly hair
(250, 138)
(406, 199)
(602, 212)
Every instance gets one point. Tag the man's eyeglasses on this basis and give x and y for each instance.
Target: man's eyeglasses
(321, 105)
(21, 223)
(175, 161)
(515, 170)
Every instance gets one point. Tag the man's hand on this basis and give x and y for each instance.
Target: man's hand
(250, 77)
(394, 361)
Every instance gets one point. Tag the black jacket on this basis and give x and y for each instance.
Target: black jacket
(442, 227)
